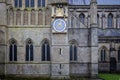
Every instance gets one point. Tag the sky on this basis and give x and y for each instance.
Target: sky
(100, 2)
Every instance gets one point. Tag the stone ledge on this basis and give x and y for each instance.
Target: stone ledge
(57, 1)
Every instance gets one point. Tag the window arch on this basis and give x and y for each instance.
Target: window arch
(110, 20)
(29, 50)
(119, 54)
(73, 52)
(13, 50)
(45, 51)
(41, 3)
(103, 55)
(82, 18)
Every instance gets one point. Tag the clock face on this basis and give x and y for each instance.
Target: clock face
(59, 25)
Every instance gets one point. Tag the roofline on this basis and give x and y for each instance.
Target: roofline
(99, 6)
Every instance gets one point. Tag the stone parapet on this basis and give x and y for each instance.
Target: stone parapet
(57, 1)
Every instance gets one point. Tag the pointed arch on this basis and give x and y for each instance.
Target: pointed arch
(82, 18)
(29, 50)
(73, 41)
(73, 50)
(110, 20)
(45, 40)
(45, 50)
(103, 54)
(12, 50)
(11, 40)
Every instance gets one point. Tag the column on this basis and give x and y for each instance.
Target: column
(93, 39)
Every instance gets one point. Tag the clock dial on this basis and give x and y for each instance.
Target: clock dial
(59, 25)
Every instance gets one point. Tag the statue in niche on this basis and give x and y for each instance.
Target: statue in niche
(59, 10)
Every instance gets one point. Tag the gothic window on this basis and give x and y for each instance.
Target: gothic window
(18, 15)
(12, 51)
(29, 50)
(82, 18)
(33, 17)
(32, 3)
(119, 54)
(103, 55)
(45, 51)
(27, 3)
(110, 20)
(73, 52)
(25, 17)
(18, 3)
(41, 3)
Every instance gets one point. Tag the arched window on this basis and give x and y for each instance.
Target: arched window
(119, 54)
(110, 20)
(32, 3)
(73, 52)
(18, 3)
(41, 3)
(27, 3)
(13, 51)
(103, 55)
(45, 51)
(82, 18)
(29, 50)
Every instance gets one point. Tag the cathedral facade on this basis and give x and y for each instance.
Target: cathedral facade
(57, 38)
